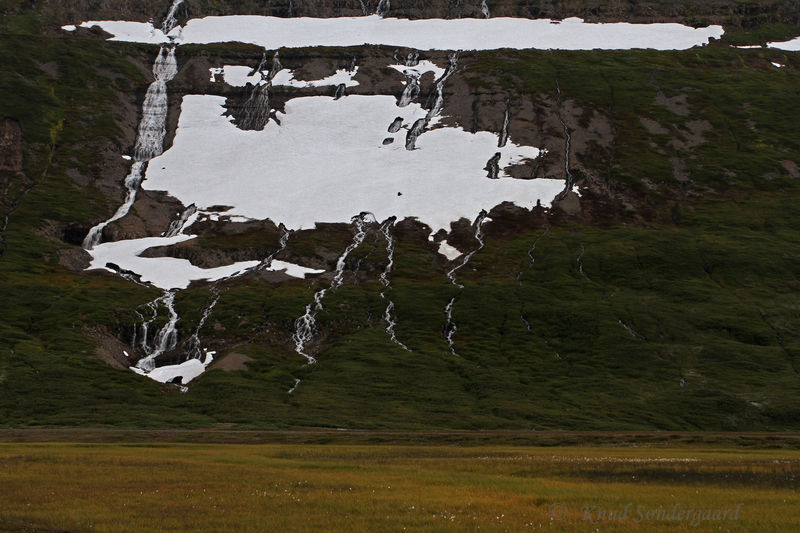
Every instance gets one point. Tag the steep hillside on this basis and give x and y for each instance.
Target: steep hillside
(653, 287)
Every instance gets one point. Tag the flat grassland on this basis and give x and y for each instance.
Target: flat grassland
(162, 486)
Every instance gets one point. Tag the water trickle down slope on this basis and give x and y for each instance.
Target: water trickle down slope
(567, 141)
(165, 339)
(192, 346)
(531, 250)
(150, 140)
(389, 313)
(434, 104)
(485, 9)
(450, 326)
(306, 327)
(383, 8)
(256, 108)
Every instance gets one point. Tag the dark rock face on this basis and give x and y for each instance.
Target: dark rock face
(10, 145)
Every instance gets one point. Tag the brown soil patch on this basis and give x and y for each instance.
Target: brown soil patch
(231, 362)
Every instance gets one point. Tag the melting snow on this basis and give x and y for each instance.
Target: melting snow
(777, 65)
(239, 76)
(792, 45)
(421, 34)
(420, 68)
(188, 370)
(311, 170)
(450, 252)
(172, 272)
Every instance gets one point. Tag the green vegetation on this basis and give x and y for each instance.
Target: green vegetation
(697, 282)
(182, 487)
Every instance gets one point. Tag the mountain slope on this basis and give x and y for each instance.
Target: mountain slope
(664, 296)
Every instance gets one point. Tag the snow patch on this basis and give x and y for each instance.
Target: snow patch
(285, 173)
(240, 75)
(187, 371)
(172, 272)
(792, 45)
(450, 252)
(420, 68)
(420, 34)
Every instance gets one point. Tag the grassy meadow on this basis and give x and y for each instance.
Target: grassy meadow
(353, 487)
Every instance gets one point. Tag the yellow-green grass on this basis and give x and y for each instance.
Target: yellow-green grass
(276, 487)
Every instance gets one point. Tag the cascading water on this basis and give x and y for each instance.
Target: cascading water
(171, 20)
(629, 329)
(341, 90)
(383, 8)
(256, 111)
(256, 108)
(152, 129)
(478, 237)
(450, 326)
(485, 9)
(132, 182)
(166, 338)
(192, 346)
(531, 250)
(436, 99)
(284, 240)
(567, 141)
(533, 247)
(389, 313)
(415, 131)
(411, 90)
(364, 8)
(306, 326)
(177, 225)
(501, 142)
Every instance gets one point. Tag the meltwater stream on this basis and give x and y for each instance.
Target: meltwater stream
(306, 327)
(165, 339)
(389, 314)
(450, 326)
(150, 139)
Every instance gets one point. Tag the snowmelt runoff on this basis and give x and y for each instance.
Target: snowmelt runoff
(392, 157)
(421, 34)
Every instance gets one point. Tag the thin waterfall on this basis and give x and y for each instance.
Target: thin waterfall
(485, 9)
(435, 104)
(192, 346)
(450, 326)
(567, 140)
(306, 327)
(171, 20)
(176, 226)
(165, 339)
(284, 240)
(151, 133)
(389, 314)
(451, 275)
(383, 8)
(501, 142)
